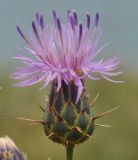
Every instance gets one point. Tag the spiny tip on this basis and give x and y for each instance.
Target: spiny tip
(102, 125)
(95, 99)
(105, 113)
(31, 120)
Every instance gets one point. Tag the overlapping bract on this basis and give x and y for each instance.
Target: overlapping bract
(64, 52)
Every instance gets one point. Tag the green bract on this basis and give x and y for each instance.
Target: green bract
(66, 122)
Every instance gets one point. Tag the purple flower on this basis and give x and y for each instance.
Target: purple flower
(64, 53)
(8, 150)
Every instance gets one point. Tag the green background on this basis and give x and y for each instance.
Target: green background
(118, 21)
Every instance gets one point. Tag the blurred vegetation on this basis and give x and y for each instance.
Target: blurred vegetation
(119, 142)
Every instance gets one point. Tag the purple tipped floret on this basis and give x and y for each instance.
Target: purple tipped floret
(88, 20)
(54, 16)
(75, 17)
(34, 28)
(37, 18)
(59, 25)
(20, 32)
(23, 36)
(42, 22)
(36, 32)
(96, 19)
(80, 33)
(68, 12)
(72, 22)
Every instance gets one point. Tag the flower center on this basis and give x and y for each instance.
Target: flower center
(79, 72)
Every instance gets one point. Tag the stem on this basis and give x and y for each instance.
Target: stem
(69, 151)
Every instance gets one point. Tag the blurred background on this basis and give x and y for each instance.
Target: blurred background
(118, 20)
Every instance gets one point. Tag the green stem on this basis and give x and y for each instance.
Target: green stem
(69, 151)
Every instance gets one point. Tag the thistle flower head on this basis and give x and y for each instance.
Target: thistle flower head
(64, 53)
(8, 150)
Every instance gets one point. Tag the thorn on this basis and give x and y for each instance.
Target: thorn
(69, 102)
(102, 125)
(43, 110)
(32, 121)
(105, 113)
(95, 99)
(88, 135)
(79, 130)
(57, 114)
(83, 111)
(51, 134)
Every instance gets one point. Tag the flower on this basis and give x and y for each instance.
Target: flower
(64, 53)
(8, 150)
